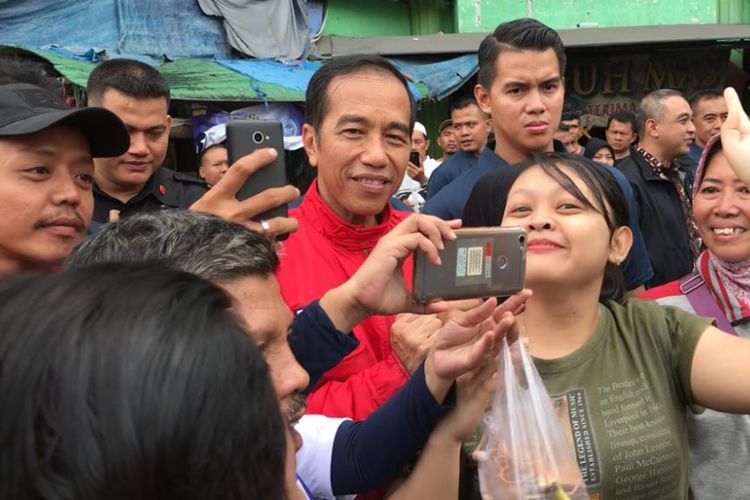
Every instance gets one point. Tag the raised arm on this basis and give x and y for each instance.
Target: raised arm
(436, 474)
(378, 286)
(720, 376)
(735, 136)
(369, 453)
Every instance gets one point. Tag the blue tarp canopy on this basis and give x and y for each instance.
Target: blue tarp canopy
(296, 76)
(82, 31)
(263, 79)
(140, 29)
(441, 78)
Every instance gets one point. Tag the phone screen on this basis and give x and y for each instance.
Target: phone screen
(414, 158)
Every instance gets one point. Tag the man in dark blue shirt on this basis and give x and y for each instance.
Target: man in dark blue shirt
(471, 126)
(520, 85)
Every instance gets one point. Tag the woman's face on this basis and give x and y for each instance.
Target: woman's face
(604, 155)
(568, 242)
(721, 208)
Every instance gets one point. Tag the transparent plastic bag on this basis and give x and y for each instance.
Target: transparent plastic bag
(524, 453)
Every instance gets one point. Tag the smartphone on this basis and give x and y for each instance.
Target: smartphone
(414, 158)
(481, 262)
(244, 137)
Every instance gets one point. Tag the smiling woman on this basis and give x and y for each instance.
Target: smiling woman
(719, 443)
(626, 370)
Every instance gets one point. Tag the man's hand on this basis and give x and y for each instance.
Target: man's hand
(222, 200)
(735, 136)
(378, 286)
(412, 337)
(416, 172)
(468, 342)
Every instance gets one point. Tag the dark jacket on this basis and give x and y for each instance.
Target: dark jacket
(164, 189)
(662, 220)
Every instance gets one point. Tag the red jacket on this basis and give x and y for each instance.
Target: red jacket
(323, 253)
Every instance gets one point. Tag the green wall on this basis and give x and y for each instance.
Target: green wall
(407, 17)
(733, 11)
(367, 18)
(485, 15)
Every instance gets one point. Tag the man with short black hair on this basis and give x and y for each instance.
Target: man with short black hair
(47, 171)
(621, 133)
(709, 112)
(520, 84)
(665, 133)
(357, 134)
(139, 95)
(471, 128)
(136, 181)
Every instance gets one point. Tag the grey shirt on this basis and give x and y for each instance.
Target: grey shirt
(719, 443)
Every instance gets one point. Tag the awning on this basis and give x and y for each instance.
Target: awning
(265, 80)
(463, 43)
(189, 79)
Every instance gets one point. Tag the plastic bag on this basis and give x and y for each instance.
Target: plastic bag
(524, 453)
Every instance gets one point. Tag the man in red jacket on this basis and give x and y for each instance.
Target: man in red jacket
(357, 134)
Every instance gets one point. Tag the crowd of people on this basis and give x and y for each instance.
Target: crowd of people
(158, 342)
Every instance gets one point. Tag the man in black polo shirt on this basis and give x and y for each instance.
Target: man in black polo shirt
(665, 134)
(136, 181)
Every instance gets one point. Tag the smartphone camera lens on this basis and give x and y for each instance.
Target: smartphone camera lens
(257, 137)
(502, 262)
(522, 239)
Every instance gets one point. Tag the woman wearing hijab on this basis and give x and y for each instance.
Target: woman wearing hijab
(599, 151)
(718, 288)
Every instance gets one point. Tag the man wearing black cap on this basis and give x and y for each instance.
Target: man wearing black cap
(47, 170)
(447, 143)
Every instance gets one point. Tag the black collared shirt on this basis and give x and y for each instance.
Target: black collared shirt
(165, 189)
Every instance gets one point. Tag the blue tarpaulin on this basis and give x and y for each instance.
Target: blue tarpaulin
(293, 76)
(149, 30)
(441, 78)
(125, 28)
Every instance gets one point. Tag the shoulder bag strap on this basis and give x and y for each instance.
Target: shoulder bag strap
(702, 301)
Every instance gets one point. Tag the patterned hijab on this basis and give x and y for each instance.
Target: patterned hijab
(728, 282)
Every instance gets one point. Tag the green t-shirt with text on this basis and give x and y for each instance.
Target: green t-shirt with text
(623, 398)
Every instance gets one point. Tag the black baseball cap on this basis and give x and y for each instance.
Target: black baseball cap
(26, 109)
